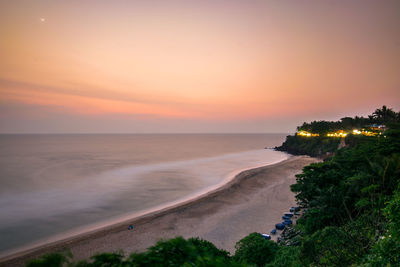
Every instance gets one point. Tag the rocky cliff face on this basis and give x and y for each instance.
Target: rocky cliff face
(311, 146)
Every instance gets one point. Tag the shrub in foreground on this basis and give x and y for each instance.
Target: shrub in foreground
(50, 260)
(286, 256)
(172, 252)
(254, 249)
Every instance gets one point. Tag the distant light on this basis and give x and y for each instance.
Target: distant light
(42, 19)
(307, 134)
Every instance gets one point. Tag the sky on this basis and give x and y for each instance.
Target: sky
(206, 66)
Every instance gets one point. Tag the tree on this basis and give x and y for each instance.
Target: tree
(50, 260)
(254, 249)
(286, 256)
(181, 252)
(384, 115)
(387, 250)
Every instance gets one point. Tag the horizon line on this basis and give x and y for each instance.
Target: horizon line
(164, 133)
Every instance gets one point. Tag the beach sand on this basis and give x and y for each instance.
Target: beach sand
(252, 202)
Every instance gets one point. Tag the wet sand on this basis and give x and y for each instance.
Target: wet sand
(252, 202)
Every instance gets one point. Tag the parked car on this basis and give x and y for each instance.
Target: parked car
(268, 237)
(285, 217)
(290, 215)
(273, 232)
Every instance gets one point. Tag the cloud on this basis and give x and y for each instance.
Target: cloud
(84, 101)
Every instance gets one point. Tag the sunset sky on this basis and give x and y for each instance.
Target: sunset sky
(93, 66)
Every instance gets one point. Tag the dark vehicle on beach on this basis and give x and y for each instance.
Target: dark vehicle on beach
(280, 226)
(289, 215)
(285, 217)
(287, 222)
(273, 232)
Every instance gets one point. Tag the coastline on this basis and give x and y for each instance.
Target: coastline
(218, 207)
(127, 217)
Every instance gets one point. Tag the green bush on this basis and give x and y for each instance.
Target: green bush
(104, 260)
(204, 247)
(286, 256)
(50, 260)
(330, 246)
(179, 252)
(386, 251)
(254, 249)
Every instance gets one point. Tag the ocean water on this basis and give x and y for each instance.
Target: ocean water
(52, 186)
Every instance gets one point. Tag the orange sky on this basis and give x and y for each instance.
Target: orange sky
(194, 66)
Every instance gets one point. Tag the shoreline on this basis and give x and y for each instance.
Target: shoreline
(98, 240)
(129, 217)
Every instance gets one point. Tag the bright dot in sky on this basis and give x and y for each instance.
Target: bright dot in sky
(42, 19)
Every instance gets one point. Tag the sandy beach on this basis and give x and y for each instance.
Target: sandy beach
(252, 202)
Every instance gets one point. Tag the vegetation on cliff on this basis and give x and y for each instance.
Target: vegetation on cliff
(322, 138)
(350, 205)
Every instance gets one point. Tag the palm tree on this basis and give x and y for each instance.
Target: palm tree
(384, 114)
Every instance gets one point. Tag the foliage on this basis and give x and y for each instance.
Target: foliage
(352, 206)
(205, 247)
(384, 115)
(386, 251)
(104, 260)
(337, 246)
(321, 127)
(50, 260)
(178, 251)
(323, 146)
(254, 249)
(172, 252)
(286, 256)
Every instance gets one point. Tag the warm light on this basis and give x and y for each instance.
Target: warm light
(365, 132)
(369, 133)
(307, 134)
(339, 133)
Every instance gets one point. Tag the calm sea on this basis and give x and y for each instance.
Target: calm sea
(55, 185)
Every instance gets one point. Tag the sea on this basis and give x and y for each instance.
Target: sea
(57, 185)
